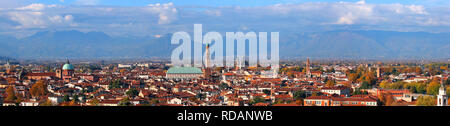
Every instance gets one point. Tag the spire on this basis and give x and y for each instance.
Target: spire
(308, 70)
(67, 61)
(207, 57)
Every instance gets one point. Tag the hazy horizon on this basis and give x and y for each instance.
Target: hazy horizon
(45, 29)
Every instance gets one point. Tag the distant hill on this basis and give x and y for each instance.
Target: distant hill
(366, 44)
(351, 44)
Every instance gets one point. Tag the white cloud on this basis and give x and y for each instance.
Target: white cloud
(346, 19)
(28, 19)
(138, 20)
(347, 12)
(417, 9)
(33, 7)
(166, 12)
(87, 2)
(35, 16)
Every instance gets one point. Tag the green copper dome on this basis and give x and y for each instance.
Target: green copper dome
(68, 67)
(184, 70)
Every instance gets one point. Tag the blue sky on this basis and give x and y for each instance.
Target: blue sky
(22, 18)
(229, 2)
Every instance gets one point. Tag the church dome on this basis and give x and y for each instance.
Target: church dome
(68, 67)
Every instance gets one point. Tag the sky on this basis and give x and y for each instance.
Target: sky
(217, 3)
(21, 18)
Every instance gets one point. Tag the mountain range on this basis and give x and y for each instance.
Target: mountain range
(349, 44)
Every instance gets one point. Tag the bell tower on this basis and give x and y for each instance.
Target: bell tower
(442, 98)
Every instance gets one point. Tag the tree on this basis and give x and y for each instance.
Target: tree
(369, 77)
(73, 103)
(433, 88)
(416, 87)
(38, 89)
(267, 92)
(66, 98)
(115, 84)
(11, 94)
(426, 101)
(359, 92)
(95, 102)
(365, 85)
(224, 86)
(384, 84)
(75, 98)
(448, 91)
(299, 94)
(386, 99)
(46, 103)
(132, 93)
(200, 96)
(257, 99)
(125, 102)
(330, 83)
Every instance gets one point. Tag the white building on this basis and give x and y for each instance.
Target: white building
(124, 66)
(442, 96)
(339, 90)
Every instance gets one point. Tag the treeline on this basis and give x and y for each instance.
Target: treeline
(431, 88)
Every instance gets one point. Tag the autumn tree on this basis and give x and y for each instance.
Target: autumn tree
(11, 94)
(38, 89)
(330, 83)
(353, 77)
(46, 103)
(386, 99)
(433, 87)
(448, 91)
(384, 84)
(426, 101)
(369, 77)
(94, 102)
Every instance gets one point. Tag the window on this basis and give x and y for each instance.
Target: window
(318, 102)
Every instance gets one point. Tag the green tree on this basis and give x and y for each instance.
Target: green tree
(66, 98)
(132, 93)
(125, 102)
(115, 84)
(267, 92)
(426, 101)
(224, 86)
(75, 98)
(299, 95)
(359, 92)
(257, 99)
(433, 88)
(365, 85)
